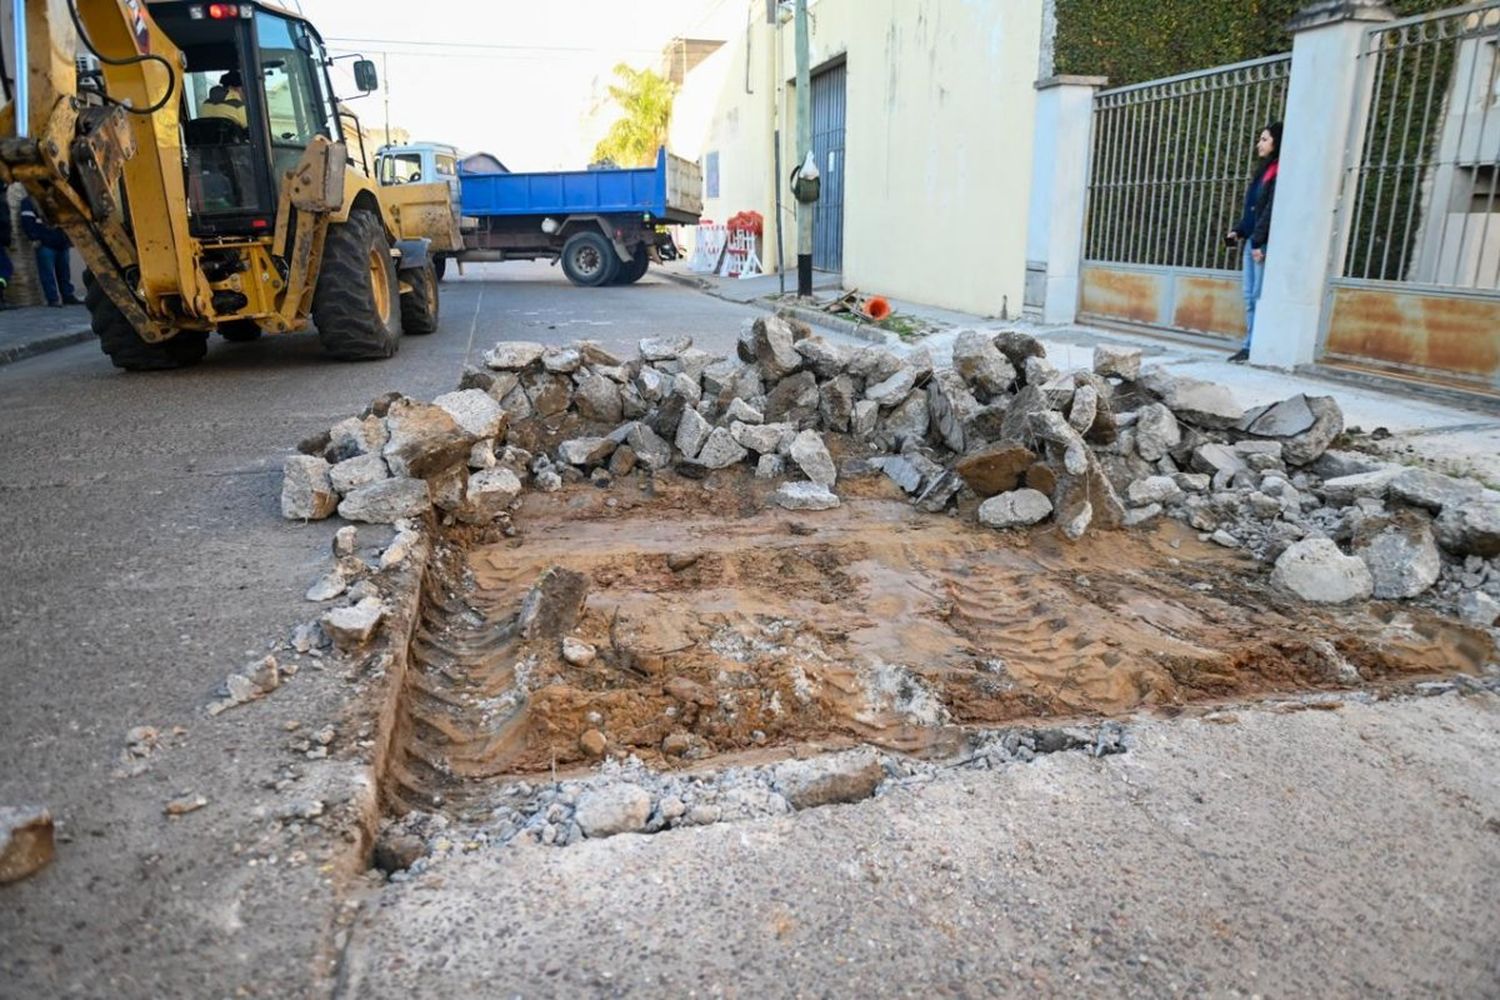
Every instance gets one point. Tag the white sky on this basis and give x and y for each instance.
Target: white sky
(510, 77)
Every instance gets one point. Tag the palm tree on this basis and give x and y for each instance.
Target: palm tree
(646, 99)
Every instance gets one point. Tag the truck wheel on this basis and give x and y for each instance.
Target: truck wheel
(440, 266)
(125, 348)
(419, 307)
(589, 260)
(355, 305)
(240, 331)
(634, 270)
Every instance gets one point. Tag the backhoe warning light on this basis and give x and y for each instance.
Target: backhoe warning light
(219, 11)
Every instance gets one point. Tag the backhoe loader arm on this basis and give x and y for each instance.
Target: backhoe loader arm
(79, 155)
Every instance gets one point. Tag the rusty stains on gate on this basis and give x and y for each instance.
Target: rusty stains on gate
(1451, 336)
(1214, 306)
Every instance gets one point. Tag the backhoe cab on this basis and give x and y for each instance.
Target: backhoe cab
(208, 186)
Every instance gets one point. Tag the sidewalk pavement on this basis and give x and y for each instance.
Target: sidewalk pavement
(32, 330)
(1459, 437)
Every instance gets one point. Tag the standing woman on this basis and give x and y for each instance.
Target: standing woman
(1253, 231)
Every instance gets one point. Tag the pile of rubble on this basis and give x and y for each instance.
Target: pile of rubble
(1001, 433)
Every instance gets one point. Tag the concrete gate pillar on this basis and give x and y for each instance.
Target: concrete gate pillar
(1059, 194)
(1321, 109)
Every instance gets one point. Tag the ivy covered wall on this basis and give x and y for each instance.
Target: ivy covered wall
(1134, 40)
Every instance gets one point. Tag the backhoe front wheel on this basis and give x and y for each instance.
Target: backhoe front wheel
(126, 349)
(419, 307)
(356, 304)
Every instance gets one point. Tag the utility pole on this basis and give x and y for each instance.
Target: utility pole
(385, 86)
(804, 150)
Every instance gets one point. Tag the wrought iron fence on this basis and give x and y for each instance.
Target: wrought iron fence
(1172, 159)
(1424, 183)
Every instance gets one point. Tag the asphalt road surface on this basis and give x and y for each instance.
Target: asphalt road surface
(145, 557)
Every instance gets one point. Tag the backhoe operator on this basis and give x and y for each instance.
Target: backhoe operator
(227, 100)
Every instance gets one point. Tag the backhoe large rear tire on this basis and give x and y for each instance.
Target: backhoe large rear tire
(419, 307)
(356, 305)
(118, 339)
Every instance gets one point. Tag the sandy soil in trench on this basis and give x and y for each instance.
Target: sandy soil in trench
(870, 623)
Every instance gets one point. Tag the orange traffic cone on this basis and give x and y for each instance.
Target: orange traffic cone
(877, 308)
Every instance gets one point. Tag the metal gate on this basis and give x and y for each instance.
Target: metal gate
(1415, 283)
(1171, 161)
(828, 149)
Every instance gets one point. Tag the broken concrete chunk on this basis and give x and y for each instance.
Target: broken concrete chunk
(1018, 346)
(1015, 509)
(664, 348)
(1328, 424)
(1120, 362)
(863, 419)
(811, 456)
(950, 408)
(888, 392)
(561, 360)
(352, 627)
(350, 474)
(446, 488)
(386, 501)
(396, 552)
(1400, 552)
(1471, 529)
(825, 781)
(307, 493)
(795, 400)
(1432, 490)
(26, 842)
(585, 452)
(741, 411)
(692, 432)
(1346, 489)
(552, 606)
(577, 652)
(770, 467)
(980, 363)
(939, 492)
(549, 394)
(996, 469)
(836, 403)
(764, 439)
(1200, 403)
(1153, 489)
(328, 586)
(482, 455)
(1038, 371)
(425, 440)
(909, 422)
(804, 496)
(474, 411)
(598, 400)
(721, 450)
(356, 436)
(826, 359)
(650, 450)
(514, 355)
(873, 364)
(1315, 570)
(622, 462)
(1084, 409)
(489, 494)
(1475, 607)
(616, 808)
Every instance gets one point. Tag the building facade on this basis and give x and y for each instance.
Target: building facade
(923, 122)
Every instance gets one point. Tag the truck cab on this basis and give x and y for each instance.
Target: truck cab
(418, 163)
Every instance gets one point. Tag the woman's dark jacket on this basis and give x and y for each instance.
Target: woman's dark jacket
(1255, 223)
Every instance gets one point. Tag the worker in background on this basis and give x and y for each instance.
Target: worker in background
(6, 270)
(52, 266)
(227, 100)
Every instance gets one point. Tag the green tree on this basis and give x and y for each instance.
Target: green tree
(645, 97)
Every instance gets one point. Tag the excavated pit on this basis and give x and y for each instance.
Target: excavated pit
(730, 632)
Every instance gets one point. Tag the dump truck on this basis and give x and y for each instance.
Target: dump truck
(604, 225)
(203, 175)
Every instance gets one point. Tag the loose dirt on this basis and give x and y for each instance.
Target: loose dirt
(727, 631)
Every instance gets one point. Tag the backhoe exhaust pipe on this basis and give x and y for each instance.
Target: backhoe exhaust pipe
(23, 71)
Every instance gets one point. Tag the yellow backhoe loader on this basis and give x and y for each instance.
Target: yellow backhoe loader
(203, 174)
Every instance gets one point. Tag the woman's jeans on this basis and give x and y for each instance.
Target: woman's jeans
(1255, 274)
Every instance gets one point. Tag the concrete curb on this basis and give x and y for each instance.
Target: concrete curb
(813, 317)
(30, 349)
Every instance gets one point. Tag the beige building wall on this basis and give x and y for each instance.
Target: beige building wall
(938, 140)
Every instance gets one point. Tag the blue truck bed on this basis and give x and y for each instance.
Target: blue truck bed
(669, 191)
